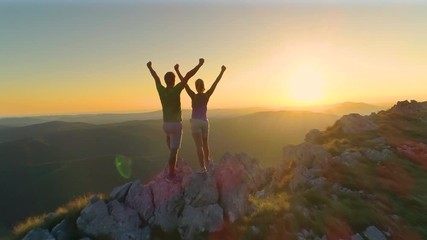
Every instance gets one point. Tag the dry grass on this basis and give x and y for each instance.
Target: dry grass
(69, 210)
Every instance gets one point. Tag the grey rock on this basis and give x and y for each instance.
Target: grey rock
(264, 193)
(350, 158)
(318, 182)
(378, 142)
(306, 154)
(356, 237)
(406, 107)
(124, 217)
(373, 233)
(200, 190)
(378, 156)
(39, 234)
(119, 193)
(168, 203)
(337, 187)
(313, 136)
(255, 230)
(63, 230)
(304, 177)
(232, 181)
(355, 123)
(196, 220)
(130, 234)
(94, 219)
(140, 198)
(305, 234)
(146, 233)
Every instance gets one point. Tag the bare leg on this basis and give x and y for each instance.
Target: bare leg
(172, 161)
(206, 150)
(199, 148)
(168, 142)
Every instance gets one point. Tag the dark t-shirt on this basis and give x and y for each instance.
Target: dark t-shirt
(171, 102)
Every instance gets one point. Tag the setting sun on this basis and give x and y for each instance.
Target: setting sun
(306, 86)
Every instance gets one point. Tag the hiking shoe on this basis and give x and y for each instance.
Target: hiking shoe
(202, 170)
(172, 178)
(210, 165)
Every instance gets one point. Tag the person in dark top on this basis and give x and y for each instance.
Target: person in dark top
(199, 120)
(171, 107)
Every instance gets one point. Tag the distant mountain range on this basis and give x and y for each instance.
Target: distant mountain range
(116, 117)
(344, 108)
(60, 160)
(336, 109)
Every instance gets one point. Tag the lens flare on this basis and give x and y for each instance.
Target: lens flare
(124, 166)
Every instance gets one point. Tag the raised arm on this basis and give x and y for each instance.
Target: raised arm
(212, 89)
(187, 88)
(192, 71)
(154, 74)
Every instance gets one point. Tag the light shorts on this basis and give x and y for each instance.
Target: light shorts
(174, 131)
(200, 126)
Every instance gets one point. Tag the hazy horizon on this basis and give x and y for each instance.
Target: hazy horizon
(79, 57)
(311, 108)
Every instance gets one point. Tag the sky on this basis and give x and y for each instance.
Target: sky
(68, 57)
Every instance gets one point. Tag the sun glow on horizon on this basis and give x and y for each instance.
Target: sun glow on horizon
(307, 86)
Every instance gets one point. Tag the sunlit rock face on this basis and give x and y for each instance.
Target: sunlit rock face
(408, 107)
(198, 204)
(355, 123)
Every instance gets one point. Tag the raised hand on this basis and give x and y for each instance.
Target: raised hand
(149, 64)
(176, 67)
(223, 68)
(201, 61)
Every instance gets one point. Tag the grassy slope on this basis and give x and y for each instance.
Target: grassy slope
(395, 187)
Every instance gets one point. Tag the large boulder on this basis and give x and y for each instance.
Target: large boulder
(111, 221)
(38, 234)
(119, 193)
(355, 123)
(313, 136)
(237, 176)
(306, 154)
(200, 190)
(168, 203)
(196, 220)
(94, 219)
(140, 198)
(63, 230)
(124, 217)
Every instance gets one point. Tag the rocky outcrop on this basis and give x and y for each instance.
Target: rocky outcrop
(198, 204)
(313, 136)
(409, 107)
(355, 123)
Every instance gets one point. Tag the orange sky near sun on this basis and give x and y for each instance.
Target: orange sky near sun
(77, 59)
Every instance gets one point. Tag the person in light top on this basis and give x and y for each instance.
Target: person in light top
(199, 120)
